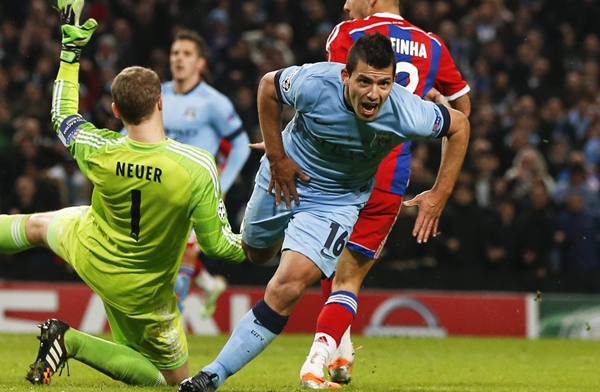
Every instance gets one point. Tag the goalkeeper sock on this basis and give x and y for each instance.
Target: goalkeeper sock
(117, 361)
(255, 331)
(12, 234)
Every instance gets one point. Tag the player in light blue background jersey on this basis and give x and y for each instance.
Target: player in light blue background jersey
(195, 113)
(348, 118)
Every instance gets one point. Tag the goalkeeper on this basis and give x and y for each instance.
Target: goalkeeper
(148, 193)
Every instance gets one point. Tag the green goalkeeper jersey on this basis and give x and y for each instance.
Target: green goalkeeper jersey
(145, 200)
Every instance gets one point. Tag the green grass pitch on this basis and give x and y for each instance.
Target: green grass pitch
(382, 364)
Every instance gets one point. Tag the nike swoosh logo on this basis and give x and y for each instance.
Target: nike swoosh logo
(257, 322)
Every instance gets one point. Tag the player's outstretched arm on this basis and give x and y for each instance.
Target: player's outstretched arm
(462, 104)
(431, 203)
(215, 238)
(65, 95)
(210, 220)
(283, 169)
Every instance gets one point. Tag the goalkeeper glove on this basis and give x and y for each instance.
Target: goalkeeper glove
(74, 36)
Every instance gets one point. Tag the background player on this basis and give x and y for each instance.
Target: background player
(323, 166)
(148, 193)
(423, 63)
(197, 114)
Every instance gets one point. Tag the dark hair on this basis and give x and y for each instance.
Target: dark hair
(201, 47)
(191, 35)
(135, 92)
(375, 50)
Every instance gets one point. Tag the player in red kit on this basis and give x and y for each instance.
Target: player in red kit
(425, 67)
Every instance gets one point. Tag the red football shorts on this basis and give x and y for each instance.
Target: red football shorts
(374, 223)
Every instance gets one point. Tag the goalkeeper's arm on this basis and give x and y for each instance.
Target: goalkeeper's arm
(65, 95)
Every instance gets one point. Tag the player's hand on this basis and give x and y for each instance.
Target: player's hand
(431, 205)
(434, 95)
(283, 179)
(260, 146)
(74, 36)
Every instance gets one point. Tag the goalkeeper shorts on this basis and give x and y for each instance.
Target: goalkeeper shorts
(157, 334)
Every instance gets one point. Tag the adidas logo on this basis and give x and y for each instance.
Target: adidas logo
(322, 339)
(54, 355)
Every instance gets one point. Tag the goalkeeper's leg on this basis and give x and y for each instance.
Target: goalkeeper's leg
(20, 232)
(136, 357)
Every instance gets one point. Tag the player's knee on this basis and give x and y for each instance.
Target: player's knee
(283, 295)
(36, 227)
(175, 376)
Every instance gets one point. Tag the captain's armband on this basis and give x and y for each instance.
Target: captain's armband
(69, 128)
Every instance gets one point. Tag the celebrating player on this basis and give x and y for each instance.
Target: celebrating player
(148, 193)
(348, 118)
(423, 63)
(197, 114)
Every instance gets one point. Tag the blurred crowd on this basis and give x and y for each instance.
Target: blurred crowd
(526, 204)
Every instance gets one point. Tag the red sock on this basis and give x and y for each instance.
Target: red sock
(334, 320)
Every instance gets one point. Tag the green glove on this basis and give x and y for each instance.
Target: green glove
(74, 36)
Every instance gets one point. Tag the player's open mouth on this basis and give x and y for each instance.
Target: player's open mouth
(369, 108)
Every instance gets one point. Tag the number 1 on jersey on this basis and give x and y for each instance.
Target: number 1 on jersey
(136, 201)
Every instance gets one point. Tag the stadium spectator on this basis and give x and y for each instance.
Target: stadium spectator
(528, 166)
(557, 155)
(502, 236)
(129, 261)
(323, 171)
(536, 247)
(460, 246)
(578, 183)
(591, 148)
(31, 196)
(486, 165)
(75, 189)
(577, 233)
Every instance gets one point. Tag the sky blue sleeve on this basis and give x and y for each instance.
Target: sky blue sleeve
(292, 87)
(224, 118)
(239, 154)
(420, 119)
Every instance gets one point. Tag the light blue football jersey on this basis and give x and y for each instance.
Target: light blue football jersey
(201, 117)
(338, 151)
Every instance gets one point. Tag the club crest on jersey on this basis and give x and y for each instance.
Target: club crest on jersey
(381, 140)
(438, 123)
(287, 82)
(189, 114)
(221, 211)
